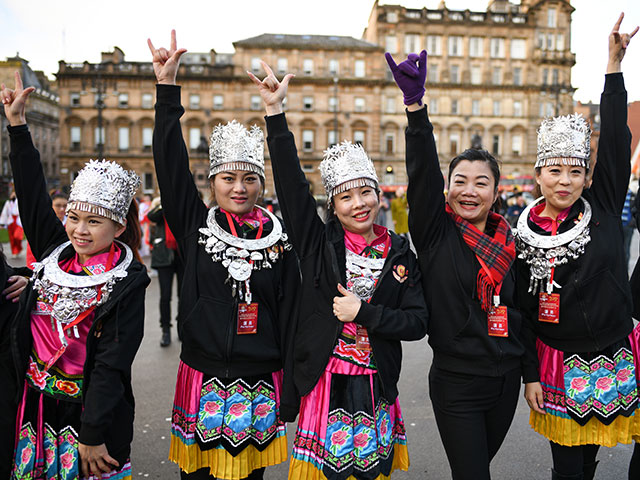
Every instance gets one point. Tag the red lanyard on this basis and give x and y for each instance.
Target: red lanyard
(232, 226)
(554, 231)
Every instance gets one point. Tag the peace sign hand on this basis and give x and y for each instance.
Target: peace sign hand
(14, 101)
(271, 90)
(618, 43)
(166, 62)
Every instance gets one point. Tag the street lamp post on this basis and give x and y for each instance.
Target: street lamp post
(99, 87)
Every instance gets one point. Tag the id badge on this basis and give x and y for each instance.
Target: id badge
(247, 318)
(497, 319)
(362, 339)
(549, 307)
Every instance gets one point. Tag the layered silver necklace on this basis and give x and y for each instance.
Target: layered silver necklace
(241, 256)
(363, 274)
(70, 295)
(544, 252)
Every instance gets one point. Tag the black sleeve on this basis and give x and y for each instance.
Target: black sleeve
(156, 215)
(528, 304)
(117, 347)
(425, 193)
(40, 223)
(612, 169)
(182, 206)
(408, 322)
(297, 205)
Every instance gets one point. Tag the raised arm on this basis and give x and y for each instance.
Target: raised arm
(298, 206)
(425, 193)
(183, 208)
(40, 223)
(612, 168)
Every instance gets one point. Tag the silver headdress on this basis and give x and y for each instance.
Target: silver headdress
(233, 147)
(104, 188)
(564, 140)
(345, 166)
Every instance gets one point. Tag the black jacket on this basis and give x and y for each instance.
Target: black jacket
(117, 328)
(208, 310)
(161, 255)
(396, 311)
(458, 327)
(595, 298)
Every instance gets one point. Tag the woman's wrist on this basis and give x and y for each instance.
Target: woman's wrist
(614, 66)
(17, 121)
(273, 109)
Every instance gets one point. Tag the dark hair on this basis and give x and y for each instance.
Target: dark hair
(132, 234)
(57, 195)
(473, 155)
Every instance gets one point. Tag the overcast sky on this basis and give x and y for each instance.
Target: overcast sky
(78, 30)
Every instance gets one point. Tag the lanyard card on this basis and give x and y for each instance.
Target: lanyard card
(362, 339)
(549, 307)
(497, 319)
(247, 318)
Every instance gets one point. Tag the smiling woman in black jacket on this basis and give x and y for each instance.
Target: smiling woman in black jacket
(81, 320)
(347, 340)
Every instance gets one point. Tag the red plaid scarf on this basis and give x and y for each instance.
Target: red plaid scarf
(497, 252)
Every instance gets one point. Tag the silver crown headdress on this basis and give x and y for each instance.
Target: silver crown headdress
(564, 140)
(233, 147)
(104, 188)
(345, 166)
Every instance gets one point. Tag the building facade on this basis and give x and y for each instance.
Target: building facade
(492, 75)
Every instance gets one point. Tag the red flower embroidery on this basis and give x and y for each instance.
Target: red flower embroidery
(262, 410)
(49, 455)
(67, 460)
(383, 427)
(579, 384)
(237, 409)
(623, 375)
(70, 388)
(339, 437)
(26, 454)
(39, 378)
(360, 440)
(211, 408)
(604, 383)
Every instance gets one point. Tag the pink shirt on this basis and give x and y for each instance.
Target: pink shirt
(546, 223)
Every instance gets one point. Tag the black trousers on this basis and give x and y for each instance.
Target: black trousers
(572, 460)
(203, 474)
(165, 279)
(473, 414)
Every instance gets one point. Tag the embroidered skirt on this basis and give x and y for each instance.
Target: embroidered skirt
(590, 398)
(230, 426)
(49, 419)
(347, 430)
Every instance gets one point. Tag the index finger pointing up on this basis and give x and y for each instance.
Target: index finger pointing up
(174, 44)
(266, 67)
(18, 80)
(151, 47)
(616, 27)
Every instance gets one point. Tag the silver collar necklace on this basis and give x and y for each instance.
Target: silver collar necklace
(544, 252)
(240, 256)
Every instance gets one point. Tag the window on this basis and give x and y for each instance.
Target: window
(98, 99)
(391, 44)
(359, 69)
(307, 104)
(194, 138)
(411, 43)
(495, 144)
(432, 73)
(454, 107)
(147, 100)
(333, 104)
(389, 140)
(392, 17)
(147, 182)
(560, 42)
(76, 135)
(255, 65)
(99, 136)
(194, 101)
(549, 108)
(123, 100)
(516, 144)
(518, 48)
(475, 107)
(283, 65)
(147, 138)
(496, 76)
(555, 76)
(433, 105)
(74, 99)
(332, 138)
(455, 74)
(358, 137)
(359, 104)
(517, 108)
(517, 76)
(497, 48)
(475, 47)
(545, 76)
(551, 41)
(123, 138)
(307, 140)
(496, 108)
(455, 46)
(434, 44)
(454, 143)
(308, 167)
(256, 102)
(390, 105)
(307, 66)
(218, 102)
(552, 20)
(476, 75)
(334, 66)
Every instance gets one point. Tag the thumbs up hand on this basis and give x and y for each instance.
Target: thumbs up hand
(347, 306)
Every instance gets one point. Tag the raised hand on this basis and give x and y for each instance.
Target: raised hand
(618, 43)
(346, 307)
(14, 101)
(410, 76)
(166, 62)
(271, 90)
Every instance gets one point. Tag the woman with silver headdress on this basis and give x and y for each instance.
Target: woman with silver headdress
(573, 285)
(239, 295)
(360, 297)
(80, 324)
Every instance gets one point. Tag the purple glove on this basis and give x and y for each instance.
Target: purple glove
(409, 76)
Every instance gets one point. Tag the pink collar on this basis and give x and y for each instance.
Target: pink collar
(253, 217)
(95, 265)
(356, 242)
(546, 223)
